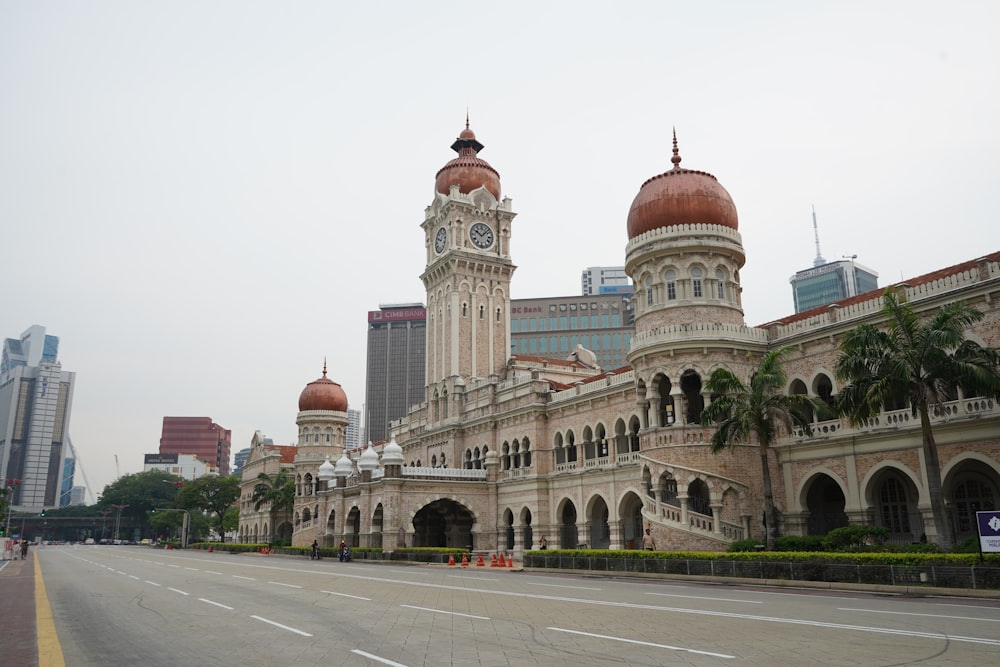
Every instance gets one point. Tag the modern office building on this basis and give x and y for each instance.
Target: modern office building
(239, 459)
(831, 282)
(397, 336)
(355, 432)
(36, 395)
(605, 280)
(198, 436)
(553, 327)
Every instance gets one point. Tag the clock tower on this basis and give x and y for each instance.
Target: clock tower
(468, 273)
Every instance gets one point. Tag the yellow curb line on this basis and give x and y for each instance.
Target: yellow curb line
(49, 650)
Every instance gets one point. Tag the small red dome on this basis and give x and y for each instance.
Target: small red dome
(323, 394)
(679, 197)
(467, 170)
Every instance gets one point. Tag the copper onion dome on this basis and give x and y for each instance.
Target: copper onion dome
(679, 197)
(323, 394)
(467, 170)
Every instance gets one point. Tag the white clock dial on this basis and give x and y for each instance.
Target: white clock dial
(481, 235)
(440, 240)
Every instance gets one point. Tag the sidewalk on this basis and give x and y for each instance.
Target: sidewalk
(18, 635)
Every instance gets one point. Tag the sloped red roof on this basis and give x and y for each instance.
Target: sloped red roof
(287, 452)
(877, 293)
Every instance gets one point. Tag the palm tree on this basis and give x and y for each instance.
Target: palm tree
(277, 491)
(758, 411)
(922, 363)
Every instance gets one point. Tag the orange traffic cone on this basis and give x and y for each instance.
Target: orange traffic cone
(510, 561)
(503, 563)
(494, 563)
(451, 560)
(465, 560)
(480, 563)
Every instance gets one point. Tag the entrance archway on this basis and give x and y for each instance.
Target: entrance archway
(825, 502)
(443, 523)
(600, 531)
(630, 513)
(353, 527)
(567, 526)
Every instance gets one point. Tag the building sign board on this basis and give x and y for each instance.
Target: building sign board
(989, 531)
(160, 459)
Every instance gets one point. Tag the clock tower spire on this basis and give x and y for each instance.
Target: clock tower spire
(468, 272)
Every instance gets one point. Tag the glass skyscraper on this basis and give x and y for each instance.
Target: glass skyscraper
(831, 282)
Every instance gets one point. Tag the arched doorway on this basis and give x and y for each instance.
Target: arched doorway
(597, 522)
(630, 511)
(567, 526)
(698, 498)
(375, 539)
(527, 535)
(443, 523)
(353, 527)
(508, 529)
(825, 502)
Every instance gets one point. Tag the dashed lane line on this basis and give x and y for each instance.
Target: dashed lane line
(345, 595)
(217, 604)
(450, 613)
(376, 658)
(283, 627)
(642, 643)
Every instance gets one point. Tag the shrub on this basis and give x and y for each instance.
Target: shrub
(800, 543)
(854, 538)
(744, 545)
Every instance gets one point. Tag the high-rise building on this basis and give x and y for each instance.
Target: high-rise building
(831, 282)
(394, 380)
(553, 327)
(605, 280)
(199, 436)
(187, 466)
(355, 434)
(240, 458)
(35, 400)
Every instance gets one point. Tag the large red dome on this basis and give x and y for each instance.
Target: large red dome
(323, 394)
(467, 170)
(680, 197)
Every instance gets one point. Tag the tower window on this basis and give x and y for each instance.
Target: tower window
(720, 284)
(670, 278)
(696, 282)
(482, 312)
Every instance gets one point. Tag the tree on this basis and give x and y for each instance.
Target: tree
(141, 492)
(211, 494)
(277, 492)
(758, 411)
(923, 363)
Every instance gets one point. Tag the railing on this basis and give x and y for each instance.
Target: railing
(444, 473)
(895, 419)
(566, 467)
(599, 462)
(627, 458)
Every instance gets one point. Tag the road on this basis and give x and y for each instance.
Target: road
(135, 605)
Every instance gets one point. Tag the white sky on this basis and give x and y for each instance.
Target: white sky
(204, 199)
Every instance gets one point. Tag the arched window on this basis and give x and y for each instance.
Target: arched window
(482, 312)
(670, 278)
(720, 284)
(696, 276)
(649, 290)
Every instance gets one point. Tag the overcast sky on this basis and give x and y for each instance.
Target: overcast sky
(204, 199)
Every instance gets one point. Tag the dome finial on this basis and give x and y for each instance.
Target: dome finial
(676, 159)
(467, 118)
(324, 365)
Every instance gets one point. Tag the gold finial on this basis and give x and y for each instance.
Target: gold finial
(676, 159)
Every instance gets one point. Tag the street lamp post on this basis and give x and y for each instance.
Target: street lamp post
(118, 519)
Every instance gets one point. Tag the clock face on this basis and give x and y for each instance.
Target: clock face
(441, 239)
(481, 235)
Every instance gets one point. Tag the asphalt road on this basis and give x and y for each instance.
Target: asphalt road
(135, 605)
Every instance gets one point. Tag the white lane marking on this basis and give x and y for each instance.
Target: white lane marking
(283, 627)
(805, 592)
(699, 597)
(132, 576)
(356, 597)
(212, 572)
(153, 583)
(450, 613)
(177, 590)
(278, 583)
(969, 606)
(217, 604)
(579, 588)
(191, 568)
(376, 658)
(172, 565)
(461, 576)
(236, 576)
(910, 613)
(636, 641)
(121, 573)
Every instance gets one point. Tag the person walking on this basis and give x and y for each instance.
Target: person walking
(342, 550)
(315, 551)
(24, 549)
(648, 543)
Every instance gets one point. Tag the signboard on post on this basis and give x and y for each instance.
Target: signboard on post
(989, 531)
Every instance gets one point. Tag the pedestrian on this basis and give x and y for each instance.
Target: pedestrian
(24, 549)
(315, 550)
(342, 550)
(542, 544)
(648, 543)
